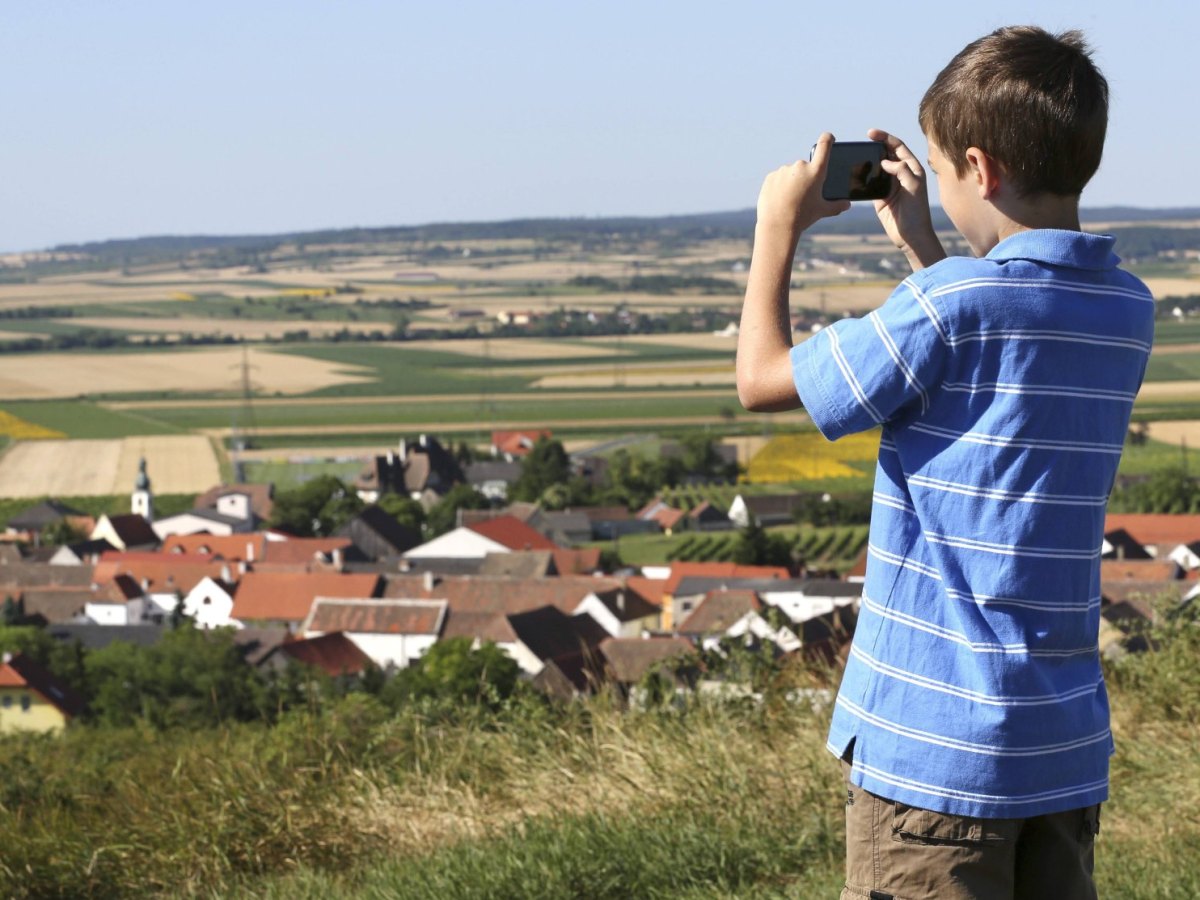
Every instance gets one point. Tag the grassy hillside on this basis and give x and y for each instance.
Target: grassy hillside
(705, 800)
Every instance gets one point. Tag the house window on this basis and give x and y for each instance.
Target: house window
(7, 701)
(26, 702)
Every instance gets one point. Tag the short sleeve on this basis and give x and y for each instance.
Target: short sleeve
(860, 373)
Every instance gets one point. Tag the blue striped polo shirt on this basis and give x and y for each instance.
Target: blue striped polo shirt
(1003, 387)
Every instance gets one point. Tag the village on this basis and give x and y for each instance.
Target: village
(373, 596)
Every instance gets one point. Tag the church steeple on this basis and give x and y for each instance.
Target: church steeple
(141, 501)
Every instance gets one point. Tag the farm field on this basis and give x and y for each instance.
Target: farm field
(349, 393)
(57, 375)
(178, 464)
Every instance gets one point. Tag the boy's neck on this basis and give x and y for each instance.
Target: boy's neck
(1017, 214)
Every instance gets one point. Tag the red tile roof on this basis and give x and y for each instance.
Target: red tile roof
(233, 547)
(681, 570)
(335, 654)
(19, 671)
(303, 551)
(576, 561)
(517, 443)
(511, 532)
(1156, 528)
(163, 573)
(288, 596)
(376, 616)
(507, 595)
(1138, 569)
(649, 589)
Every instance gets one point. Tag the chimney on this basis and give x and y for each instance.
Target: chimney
(242, 567)
(226, 574)
(249, 551)
(424, 441)
(1120, 551)
(428, 581)
(620, 601)
(403, 450)
(337, 558)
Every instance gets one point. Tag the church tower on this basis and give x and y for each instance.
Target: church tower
(141, 501)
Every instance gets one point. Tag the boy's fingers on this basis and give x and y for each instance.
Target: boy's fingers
(820, 155)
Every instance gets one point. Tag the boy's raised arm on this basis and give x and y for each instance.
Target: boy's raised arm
(905, 213)
(790, 201)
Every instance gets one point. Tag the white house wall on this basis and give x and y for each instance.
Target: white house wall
(398, 650)
(213, 614)
(461, 543)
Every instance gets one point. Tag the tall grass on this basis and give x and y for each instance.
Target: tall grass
(704, 798)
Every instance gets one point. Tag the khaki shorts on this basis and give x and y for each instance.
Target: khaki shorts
(899, 852)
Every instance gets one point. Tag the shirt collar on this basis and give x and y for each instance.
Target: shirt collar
(1074, 249)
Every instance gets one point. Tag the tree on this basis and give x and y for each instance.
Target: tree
(317, 507)
(405, 510)
(189, 678)
(444, 514)
(545, 465)
(452, 672)
(755, 547)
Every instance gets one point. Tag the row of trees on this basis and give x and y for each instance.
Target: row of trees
(194, 679)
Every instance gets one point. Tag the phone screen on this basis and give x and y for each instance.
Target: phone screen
(855, 172)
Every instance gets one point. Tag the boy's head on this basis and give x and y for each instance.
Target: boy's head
(1031, 100)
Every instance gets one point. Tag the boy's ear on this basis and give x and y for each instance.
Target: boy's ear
(985, 171)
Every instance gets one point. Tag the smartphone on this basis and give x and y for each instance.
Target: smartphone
(855, 171)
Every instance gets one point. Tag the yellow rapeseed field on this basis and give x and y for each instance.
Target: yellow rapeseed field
(797, 457)
(182, 296)
(14, 427)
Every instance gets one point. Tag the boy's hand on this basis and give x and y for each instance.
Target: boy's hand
(790, 198)
(905, 213)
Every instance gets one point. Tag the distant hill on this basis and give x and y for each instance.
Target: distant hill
(737, 224)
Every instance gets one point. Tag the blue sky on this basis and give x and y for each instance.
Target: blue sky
(122, 118)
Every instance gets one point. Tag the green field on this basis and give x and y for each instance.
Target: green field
(81, 419)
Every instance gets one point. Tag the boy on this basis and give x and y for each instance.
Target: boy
(972, 718)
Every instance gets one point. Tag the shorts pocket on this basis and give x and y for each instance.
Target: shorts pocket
(913, 825)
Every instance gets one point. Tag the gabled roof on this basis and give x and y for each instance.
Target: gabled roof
(1139, 570)
(511, 532)
(483, 626)
(1156, 528)
(233, 547)
(133, 530)
(384, 528)
(288, 596)
(631, 659)
(520, 564)
(162, 573)
(577, 560)
(38, 516)
(627, 605)
(304, 551)
(680, 570)
(549, 632)
(400, 617)
(668, 518)
(33, 574)
(504, 595)
(719, 611)
(649, 589)
(518, 443)
(334, 654)
(20, 671)
(55, 606)
(261, 497)
(1128, 589)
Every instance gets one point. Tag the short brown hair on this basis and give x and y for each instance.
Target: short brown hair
(1033, 101)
